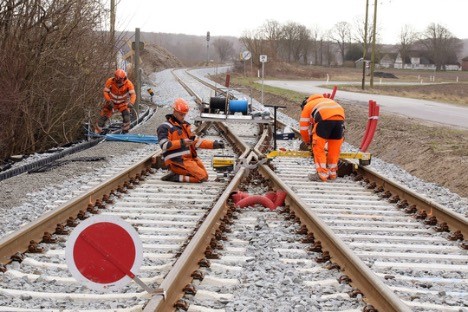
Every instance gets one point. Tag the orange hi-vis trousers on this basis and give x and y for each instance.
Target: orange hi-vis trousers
(191, 170)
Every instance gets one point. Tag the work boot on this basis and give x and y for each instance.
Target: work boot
(315, 177)
(171, 176)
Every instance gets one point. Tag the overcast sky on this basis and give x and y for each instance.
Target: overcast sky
(233, 18)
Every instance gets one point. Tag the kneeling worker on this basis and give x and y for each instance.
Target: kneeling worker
(179, 145)
(323, 120)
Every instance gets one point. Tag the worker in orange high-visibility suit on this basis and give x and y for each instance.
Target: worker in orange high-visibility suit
(179, 145)
(322, 122)
(119, 94)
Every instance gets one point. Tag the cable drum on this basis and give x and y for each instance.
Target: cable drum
(238, 106)
(217, 104)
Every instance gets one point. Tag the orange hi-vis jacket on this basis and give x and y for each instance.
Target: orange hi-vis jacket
(315, 111)
(119, 95)
(171, 135)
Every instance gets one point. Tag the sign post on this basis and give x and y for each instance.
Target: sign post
(105, 253)
(263, 59)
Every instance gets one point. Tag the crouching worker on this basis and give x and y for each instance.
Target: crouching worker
(179, 146)
(322, 119)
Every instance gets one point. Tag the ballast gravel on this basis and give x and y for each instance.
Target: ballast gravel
(26, 197)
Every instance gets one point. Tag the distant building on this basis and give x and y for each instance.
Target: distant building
(465, 63)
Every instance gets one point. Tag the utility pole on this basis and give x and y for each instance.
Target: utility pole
(207, 48)
(364, 52)
(137, 69)
(112, 24)
(373, 46)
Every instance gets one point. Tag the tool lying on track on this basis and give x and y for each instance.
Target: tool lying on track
(224, 166)
(364, 158)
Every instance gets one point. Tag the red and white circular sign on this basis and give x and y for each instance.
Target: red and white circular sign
(104, 252)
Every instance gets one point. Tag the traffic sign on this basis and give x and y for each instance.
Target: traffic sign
(104, 252)
(263, 58)
(246, 55)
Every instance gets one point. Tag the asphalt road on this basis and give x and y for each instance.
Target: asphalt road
(440, 113)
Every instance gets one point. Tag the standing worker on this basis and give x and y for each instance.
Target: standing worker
(322, 119)
(119, 94)
(179, 147)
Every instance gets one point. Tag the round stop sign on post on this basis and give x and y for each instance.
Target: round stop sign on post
(104, 252)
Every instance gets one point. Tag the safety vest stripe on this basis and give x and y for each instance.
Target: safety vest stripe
(174, 155)
(304, 119)
(304, 128)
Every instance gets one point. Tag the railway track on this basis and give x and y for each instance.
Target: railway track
(359, 244)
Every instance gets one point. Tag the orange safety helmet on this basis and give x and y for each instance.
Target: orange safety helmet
(314, 97)
(120, 75)
(180, 106)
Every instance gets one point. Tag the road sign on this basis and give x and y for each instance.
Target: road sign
(263, 58)
(246, 55)
(104, 252)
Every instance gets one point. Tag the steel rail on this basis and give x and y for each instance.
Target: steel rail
(375, 291)
(19, 241)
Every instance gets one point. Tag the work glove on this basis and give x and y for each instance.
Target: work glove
(218, 144)
(304, 146)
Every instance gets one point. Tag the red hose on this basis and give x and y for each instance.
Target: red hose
(236, 197)
(372, 128)
(256, 199)
(369, 119)
(332, 96)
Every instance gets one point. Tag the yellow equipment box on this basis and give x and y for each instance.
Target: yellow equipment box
(364, 158)
(223, 162)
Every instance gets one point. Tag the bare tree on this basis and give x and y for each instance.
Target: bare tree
(56, 61)
(224, 48)
(441, 45)
(255, 43)
(407, 39)
(272, 33)
(341, 35)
